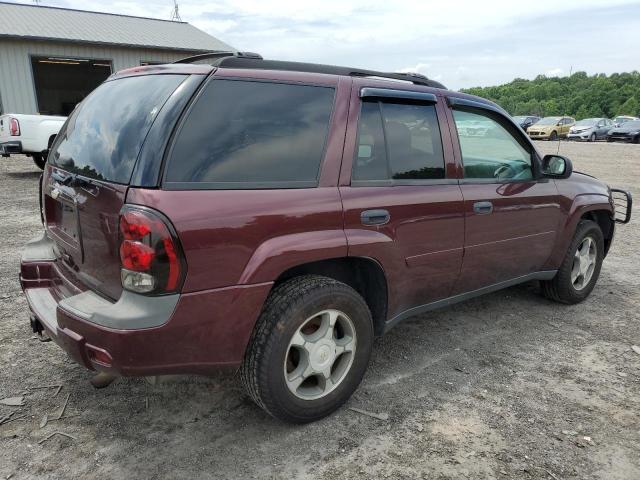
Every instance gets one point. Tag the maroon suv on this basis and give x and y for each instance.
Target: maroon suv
(277, 216)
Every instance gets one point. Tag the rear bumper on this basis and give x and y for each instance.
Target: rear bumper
(200, 333)
(9, 148)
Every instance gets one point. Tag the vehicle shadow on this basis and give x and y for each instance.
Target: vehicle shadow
(24, 175)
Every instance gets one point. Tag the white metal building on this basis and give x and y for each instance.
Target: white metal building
(51, 58)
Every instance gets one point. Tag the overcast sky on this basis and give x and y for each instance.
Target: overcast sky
(461, 44)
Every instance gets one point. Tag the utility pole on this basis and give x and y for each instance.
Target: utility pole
(175, 14)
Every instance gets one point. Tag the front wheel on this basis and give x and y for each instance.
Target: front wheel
(309, 350)
(592, 137)
(580, 268)
(39, 160)
(553, 136)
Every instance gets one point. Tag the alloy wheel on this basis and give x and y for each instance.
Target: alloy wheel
(584, 263)
(320, 354)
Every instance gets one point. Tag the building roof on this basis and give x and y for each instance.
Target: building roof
(33, 22)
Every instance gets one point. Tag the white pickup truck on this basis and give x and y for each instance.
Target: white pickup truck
(30, 135)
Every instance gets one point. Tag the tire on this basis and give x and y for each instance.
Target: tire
(269, 364)
(636, 139)
(39, 160)
(562, 287)
(609, 139)
(592, 137)
(553, 136)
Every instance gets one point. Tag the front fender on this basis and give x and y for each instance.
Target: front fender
(582, 204)
(278, 254)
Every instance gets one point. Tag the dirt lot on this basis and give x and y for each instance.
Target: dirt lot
(505, 386)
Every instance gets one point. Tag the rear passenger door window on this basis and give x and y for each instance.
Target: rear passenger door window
(398, 142)
(251, 134)
(489, 150)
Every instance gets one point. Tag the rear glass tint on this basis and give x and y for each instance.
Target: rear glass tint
(250, 134)
(103, 136)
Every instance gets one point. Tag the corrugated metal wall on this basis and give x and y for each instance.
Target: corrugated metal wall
(17, 91)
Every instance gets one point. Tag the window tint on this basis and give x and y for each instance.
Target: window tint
(244, 134)
(489, 150)
(413, 147)
(104, 134)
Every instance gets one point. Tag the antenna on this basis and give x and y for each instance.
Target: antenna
(175, 13)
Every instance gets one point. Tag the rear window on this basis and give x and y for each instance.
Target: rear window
(251, 134)
(104, 134)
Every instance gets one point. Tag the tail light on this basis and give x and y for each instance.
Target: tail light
(150, 253)
(14, 127)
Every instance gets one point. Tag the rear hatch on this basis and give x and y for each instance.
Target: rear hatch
(89, 170)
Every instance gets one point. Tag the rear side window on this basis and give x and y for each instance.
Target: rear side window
(251, 134)
(104, 134)
(398, 141)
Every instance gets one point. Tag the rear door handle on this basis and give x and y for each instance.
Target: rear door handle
(483, 208)
(375, 217)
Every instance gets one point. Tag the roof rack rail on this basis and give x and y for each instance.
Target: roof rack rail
(248, 60)
(218, 56)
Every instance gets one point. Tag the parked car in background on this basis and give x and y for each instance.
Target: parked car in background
(30, 135)
(526, 121)
(277, 216)
(627, 132)
(551, 128)
(620, 119)
(590, 129)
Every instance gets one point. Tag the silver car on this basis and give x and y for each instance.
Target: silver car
(590, 129)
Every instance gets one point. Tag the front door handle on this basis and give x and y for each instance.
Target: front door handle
(375, 217)
(483, 208)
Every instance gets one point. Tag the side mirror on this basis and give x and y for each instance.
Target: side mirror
(556, 166)
(559, 124)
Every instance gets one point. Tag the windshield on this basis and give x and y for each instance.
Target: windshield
(104, 134)
(548, 121)
(587, 122)
(632, 124)
(520, 119)
(621, 119)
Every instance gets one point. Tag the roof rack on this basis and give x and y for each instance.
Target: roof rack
(251, 60)
(218, 56)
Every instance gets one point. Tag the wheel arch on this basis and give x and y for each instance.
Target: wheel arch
(606, 223)
(365, 275)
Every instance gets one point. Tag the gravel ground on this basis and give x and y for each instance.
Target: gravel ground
(509, 385)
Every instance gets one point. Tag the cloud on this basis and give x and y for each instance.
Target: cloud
(482, 43)
(554, 72)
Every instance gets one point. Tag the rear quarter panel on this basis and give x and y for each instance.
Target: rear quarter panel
(233, 237)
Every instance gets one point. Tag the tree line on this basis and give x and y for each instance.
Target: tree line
(579, 96)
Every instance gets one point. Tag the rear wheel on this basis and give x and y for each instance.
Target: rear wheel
(39, 160)
(309, 350)
(580, 268)
(553, 136)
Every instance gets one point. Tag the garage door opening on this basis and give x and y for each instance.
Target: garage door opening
(62, 83)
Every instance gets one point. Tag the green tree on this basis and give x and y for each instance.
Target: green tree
(579, 95)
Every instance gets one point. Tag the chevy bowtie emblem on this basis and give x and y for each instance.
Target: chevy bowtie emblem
(54, 193)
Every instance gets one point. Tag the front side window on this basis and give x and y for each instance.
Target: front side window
(251, 134)
(398, 141)
(489, 151)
